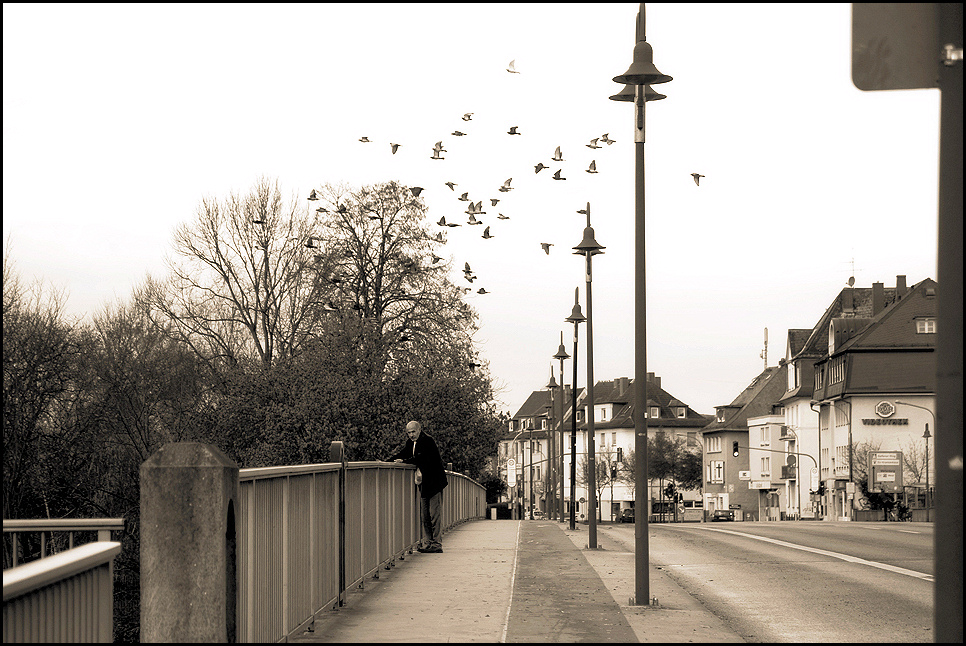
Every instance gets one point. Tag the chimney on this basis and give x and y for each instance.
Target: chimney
(900, 287)
(848, 300)
(878, 298)
(621, 385)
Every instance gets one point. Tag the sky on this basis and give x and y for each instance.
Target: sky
(119, 119)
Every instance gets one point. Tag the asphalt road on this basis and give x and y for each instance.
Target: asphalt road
(803, 581)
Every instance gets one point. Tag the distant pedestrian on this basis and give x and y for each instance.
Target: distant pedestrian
(421, 450)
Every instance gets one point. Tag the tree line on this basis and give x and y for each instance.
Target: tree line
(279, 327)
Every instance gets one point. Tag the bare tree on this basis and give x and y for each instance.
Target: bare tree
(247, 283)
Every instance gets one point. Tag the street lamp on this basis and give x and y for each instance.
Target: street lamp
(576, 317)
(561, 355)
(640, 74)
(926, 435)
(588, 248)
(551, 490)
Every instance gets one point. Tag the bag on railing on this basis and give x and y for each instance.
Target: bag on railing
(419, 476)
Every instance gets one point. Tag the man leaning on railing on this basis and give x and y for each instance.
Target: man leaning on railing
(421, 450)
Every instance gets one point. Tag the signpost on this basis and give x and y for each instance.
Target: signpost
(885, 471)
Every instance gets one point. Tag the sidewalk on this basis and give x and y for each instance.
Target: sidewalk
(518, 581)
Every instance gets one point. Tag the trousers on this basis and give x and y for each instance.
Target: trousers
(431, 511)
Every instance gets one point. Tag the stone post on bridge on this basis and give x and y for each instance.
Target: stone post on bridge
(189, 503)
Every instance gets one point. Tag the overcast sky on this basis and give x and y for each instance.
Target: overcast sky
(119, 119)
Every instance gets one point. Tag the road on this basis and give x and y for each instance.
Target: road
(802, 581)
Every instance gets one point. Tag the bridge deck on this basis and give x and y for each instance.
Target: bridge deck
(517, 581)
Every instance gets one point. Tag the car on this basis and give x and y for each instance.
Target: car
(539, 515)
(722, 515)
(627, 515)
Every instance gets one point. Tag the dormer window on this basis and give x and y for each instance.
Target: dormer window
(682, 412)
(926, 326)
(654, 412)
(720, 417)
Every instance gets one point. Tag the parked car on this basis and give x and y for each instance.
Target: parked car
(627, 515)
(538, 514)
(722, 515)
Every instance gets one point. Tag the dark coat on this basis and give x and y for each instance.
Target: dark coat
(428, 461)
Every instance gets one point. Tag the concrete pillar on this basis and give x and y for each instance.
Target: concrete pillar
(189, 503)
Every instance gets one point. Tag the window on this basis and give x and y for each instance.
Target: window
(766, 467)
(720, 417)
(682, 412)
(603, 414)
(716, 472)
(765, 436)
(926, 326)
(713, 444)
(613, 438)
(792, 376)
(655, 412)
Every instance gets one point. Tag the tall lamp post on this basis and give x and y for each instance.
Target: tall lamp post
(588, 248)
(561, 355)
(551, 489)
(640, 74)
(926, 435)
(576, 317)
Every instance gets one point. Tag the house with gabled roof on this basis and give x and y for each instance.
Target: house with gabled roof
(875, 389)
(728, 456)
(614, 429)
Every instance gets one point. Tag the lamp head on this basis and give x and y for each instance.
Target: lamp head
(561, 352)
(552, 384)
(588, 246)
(642, 70)
(628, 94)
(576, 316)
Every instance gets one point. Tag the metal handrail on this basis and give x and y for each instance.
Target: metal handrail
(46, 526)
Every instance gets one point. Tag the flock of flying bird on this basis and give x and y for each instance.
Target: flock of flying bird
(475, 209)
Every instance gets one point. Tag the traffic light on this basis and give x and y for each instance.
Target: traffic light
(821, 489)
(734, 448)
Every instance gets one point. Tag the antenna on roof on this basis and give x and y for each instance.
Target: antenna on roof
(764, 353)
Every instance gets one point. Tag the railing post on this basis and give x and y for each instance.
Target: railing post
(189, 587)
(337, 454)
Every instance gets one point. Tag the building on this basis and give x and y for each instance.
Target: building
(614, 442)
(738, 470)
(875, 391)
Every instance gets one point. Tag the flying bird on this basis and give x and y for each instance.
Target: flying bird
(469, 277)
(436, 258)
(486, 233)
(435, 155)
(512, 67)
(502, 217)
(416, 190)
(466, 268)
(481, 291)
(439, 147)
(473, 220)
(452, 185)
(593, 143)
(557, 155)
(557, 175)
(312, 196)
(464, 197)
(493, 201)
(439, 238)
(457, 133)
(513, 131)
(364, 140)
(546, 247)
(468, 116)
(539, 167)
(442, 221)
(607, 140)
(697, 178)
(394, 147)
(506, 188)
(453, 224)
(593, 167)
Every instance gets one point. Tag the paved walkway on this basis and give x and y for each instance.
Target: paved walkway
(518, 581)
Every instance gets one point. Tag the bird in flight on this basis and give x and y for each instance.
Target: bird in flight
(506, 188)
(416, 190)
(546, 247)
(481, 291)
(364, 140)
(439, 147)
(451, 185)
(473, 220)
(557, 155)
(394, 147)
(468, 116)
(539, 167)
(486, 233)
(593, 143)
(697, 178)
(453, 224)
(435, 155)
(512, 67)
(442, 221)
(593, 167)
(476, 209)
(493, 201)
(502, 217)
(439, 238)
(557, 175)
(513, 131)
(457, 133)
(464, 197)
(607, 140)
(436, 258)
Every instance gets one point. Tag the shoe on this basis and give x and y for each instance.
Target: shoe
(435, 550)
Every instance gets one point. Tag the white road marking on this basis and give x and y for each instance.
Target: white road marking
(513, 576)
(836, 555)
(907, 531)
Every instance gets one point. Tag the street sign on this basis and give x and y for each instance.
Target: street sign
(744, 475)
(511, 472)
(895, 45)
(885, 471)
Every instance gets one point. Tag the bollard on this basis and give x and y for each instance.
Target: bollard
(189, 587)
